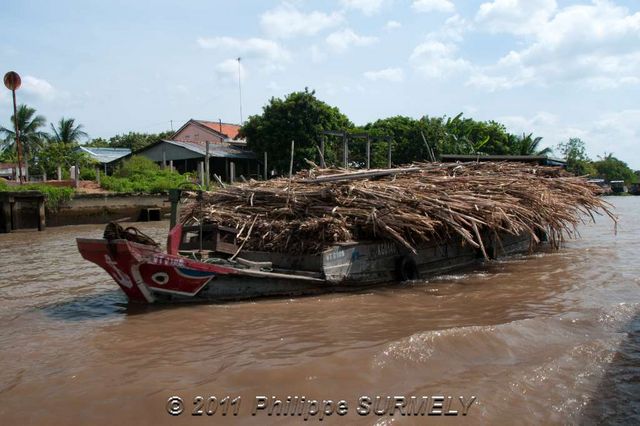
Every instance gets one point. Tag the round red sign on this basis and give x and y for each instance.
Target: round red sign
(12, 80)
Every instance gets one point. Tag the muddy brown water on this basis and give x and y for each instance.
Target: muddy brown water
(546, 338)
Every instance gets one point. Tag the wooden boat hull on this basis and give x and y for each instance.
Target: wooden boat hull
(148, 275)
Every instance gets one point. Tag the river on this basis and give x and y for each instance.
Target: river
(552, 337)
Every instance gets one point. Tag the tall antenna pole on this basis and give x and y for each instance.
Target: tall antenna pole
(240, 87)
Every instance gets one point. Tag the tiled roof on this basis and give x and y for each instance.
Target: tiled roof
(230, 130)
(106, 155)
(215, 149)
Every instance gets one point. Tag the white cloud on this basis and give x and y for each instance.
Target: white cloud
(38, 87)
(368, 7)
(437, 56)
(596, 45)
(271, 53)
(616, 132)
(540, 121)
(515, 16)
(229, 69)
(341, 41)
(433, 6)
(392, 25)
(395, 75)
(317, 54)
(286, 21)
(437, 59)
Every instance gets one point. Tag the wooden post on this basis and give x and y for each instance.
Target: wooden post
(98, 175)
(322, 162)
(171, 165)
(76, 176)
(14, 213)
(389, 154)
(293, 144)
(368, 152)
(232, 172)
(164, 159)
(266, 168)
(41, 214)
(207, 159)
(6, 213)
(220, 182)
(59, 173)
(201, 172)
(345, 151)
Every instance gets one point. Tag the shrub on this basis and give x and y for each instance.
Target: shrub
(87, 173)
(139, 174)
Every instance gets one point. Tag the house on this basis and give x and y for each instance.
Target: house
(106, 157)
(201, 131)
(229, 157)
(10, 171)
(185, 157)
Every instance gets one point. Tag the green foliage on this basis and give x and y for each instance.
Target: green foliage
(132, 140)
(87, 173)
(445, 135)
(407, 144)
(300, 117)
(67, 131)
(528, 145)
(575, 153)
(31, 135)
(65, 155)
(56, 196)
(139, 174)
(610, 168)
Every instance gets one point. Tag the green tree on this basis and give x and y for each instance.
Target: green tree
(301, 117)
(132, 140)
(67, 131)
(62, 154)
(528, 145)
(31, 135)
(575, 153)
(407, 143)
(610, 168)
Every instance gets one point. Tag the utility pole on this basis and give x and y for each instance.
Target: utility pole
(12, 81)
(240, 87)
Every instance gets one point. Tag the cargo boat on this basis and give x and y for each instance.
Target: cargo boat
(213, 269)
(327, 230)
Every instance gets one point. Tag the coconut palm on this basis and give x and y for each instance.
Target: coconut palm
(67, 131)
(528, 145)
(31, 135)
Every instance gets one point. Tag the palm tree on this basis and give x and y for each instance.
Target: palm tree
(67, 131)
(31, 137)
(29, 125)
(528, 145)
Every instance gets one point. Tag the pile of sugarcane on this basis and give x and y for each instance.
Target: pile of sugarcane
(412, 205)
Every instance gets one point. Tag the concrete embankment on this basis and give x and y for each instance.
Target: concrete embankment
(95, 208)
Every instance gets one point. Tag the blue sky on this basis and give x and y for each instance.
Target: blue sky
(551, 67)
